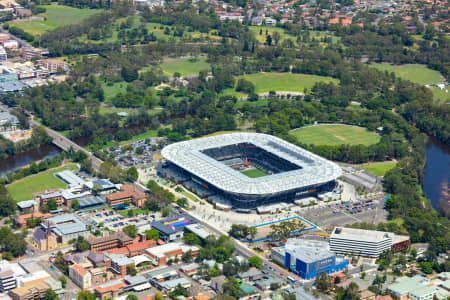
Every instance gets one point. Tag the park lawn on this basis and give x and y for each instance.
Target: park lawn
(284, 82)
(184, 66)
(415, 73)
(335, 135)
(254, 173)
(270, 30)
(24, 189)
(112, 90)
(440, 95)
(379, 168)
(56, 16)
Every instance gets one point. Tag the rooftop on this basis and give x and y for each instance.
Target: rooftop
(170, 284)
(361, 234)
(308, 251)
(161, 271)
(110, 286)
(160, 251)
(313, 169)
(69, 177)
(65, 224)
(26, 204)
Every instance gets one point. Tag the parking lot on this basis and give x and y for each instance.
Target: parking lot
(368, 210)
(112, 220)
(139, 153)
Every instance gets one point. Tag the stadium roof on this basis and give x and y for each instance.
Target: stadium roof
(314, 169)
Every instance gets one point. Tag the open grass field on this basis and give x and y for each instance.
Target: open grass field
(261, 38)
(441, 95)
(288, 82)
(23, 190)
(184, 66)
(415, 73)
(379, 168)
(254, 173)
(56, 16)
(264, 230)
(335, 135)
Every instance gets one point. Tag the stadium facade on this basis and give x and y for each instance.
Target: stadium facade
(212, 167)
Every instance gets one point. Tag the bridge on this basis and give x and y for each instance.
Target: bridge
(65, 144)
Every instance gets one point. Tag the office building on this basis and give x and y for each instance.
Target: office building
(367, 243)
(308, 259)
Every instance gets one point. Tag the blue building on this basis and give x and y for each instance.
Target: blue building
(308, 259)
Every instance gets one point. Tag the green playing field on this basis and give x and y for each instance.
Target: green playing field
(254, 173)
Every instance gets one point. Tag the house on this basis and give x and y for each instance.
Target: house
(257, 21)
(170, 285)
(270, 22)
(190, 269)
(264, 284)
(80, 276)
(126, 194)
(251, 275)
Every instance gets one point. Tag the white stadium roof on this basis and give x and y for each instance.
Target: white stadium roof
(314, 169)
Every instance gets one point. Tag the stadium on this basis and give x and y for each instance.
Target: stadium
(247, 170)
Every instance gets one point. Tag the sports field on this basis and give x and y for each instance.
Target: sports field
(185, 66)
(415, 73)
(24, 189)
(56, 16)
(287, 82)
(254, 173)
(379, 168)
(335, 135)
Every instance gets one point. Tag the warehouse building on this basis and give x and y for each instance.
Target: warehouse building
(367, 243)
(308, 259)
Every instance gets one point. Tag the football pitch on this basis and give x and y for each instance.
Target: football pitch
(254, 173)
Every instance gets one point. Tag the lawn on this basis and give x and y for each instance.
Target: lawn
(142, 136)
(379, 168)
(184, 66)
(254, 173)
(415, 73)
(56, 16)
(335, 135)
(441, 95)
(112, 90)
(287, 82)
(24, 189)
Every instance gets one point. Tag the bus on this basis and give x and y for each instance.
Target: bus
(291, 279)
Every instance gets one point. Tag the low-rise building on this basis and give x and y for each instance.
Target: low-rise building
(53, 65)
(120, 263)
(162, 274)
(80, 276)
(115, 240)
(21, 221)
(126, 194)
(161, 254)
(28, 206)
(172, 229)
(416, 288)
(170, 285)
(52, 194)
(190, 269)
(110, 290)
(66, 227)
(307, 258)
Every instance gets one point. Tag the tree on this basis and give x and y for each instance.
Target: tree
(132, 174)
(191, 239)
(255, 261)
(269, 40)
(152, 234)
(158, 296)
(52, 204)
(130, 230)
(7, 203)
(75, 204)
(183, 202)
(132, 297)
(129, 72)
(63, 280)
(131, 269)
(276, 37)
(50, 295)
(96, 189)
(85, 295)
(165, 211)
(179, 291)
(323, 283)
(81, 244)
(187, 257)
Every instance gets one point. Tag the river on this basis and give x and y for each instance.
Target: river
(437, 173)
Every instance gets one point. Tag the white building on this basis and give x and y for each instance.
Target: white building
(80, 276)
(3, 55)
(368, 243)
